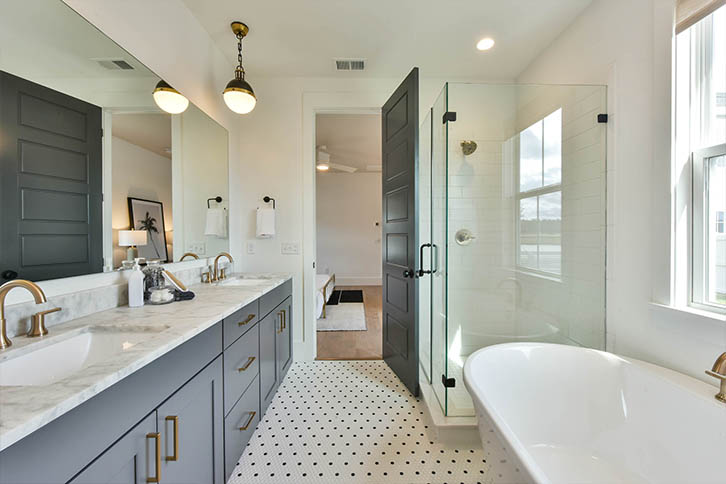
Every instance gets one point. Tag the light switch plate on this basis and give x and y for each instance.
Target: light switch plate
(251, 246)
(290, 248)
(199, 248)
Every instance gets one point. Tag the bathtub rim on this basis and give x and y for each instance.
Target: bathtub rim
(704, 391)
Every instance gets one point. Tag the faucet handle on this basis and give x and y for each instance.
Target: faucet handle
(37, 327)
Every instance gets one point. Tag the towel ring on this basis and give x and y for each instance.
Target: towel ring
(217, 199)
(268, 200)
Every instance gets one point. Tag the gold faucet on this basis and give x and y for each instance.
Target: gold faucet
(189, 254)
(38, 320)
(216, 276)
(719, 371)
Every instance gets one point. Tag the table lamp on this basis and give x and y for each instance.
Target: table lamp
(130, 239)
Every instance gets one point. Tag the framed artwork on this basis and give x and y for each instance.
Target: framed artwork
(149, 215)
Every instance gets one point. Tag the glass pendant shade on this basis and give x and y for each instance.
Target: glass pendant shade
(239, 96)
(169, 99)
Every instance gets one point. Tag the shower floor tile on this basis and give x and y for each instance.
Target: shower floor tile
(353, 422)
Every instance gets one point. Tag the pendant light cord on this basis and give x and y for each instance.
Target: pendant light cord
(239, 72)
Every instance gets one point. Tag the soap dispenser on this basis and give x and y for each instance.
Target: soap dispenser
(136, 287)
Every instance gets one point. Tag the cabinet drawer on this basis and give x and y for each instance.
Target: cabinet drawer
(241, 366)
(239, 426)
(239, 322)
(272, 299)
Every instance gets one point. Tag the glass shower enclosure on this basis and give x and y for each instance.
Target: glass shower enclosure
(512, 204)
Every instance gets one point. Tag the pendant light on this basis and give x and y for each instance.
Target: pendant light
(169, 99)
(238, 95)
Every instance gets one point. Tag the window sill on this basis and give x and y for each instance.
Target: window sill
(691, 311)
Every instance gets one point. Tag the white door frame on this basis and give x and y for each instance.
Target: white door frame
(315, 103)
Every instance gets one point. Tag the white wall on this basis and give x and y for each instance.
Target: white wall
(627, 45)
(348, 206)
(140, 173)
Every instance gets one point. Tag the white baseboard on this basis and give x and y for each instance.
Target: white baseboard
(344, 280)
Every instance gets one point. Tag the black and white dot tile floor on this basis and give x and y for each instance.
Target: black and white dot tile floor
(352, 422)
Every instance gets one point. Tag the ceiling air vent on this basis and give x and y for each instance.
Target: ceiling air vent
(350, 64)
(115, 64)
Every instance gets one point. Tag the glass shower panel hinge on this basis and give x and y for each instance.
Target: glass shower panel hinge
(448, 382)
(449, 116)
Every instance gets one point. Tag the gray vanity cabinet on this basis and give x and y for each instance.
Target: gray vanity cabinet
(131, 460)
(268, 360)
(283, 348)
(191, 430)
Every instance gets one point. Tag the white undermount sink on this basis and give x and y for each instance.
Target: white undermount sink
(242, 282)
(46, 362)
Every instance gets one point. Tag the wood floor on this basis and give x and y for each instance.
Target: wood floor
(356, 345)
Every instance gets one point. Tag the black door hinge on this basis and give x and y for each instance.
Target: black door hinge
(449, 116)
(602, 118)
(448, 382)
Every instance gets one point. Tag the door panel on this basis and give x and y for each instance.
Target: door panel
(400, 160)
(129, 461)
(51, 167)
(284, 340)
(191, 427)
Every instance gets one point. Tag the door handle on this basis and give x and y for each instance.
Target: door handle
(157, 437)
(175, 419)
(409, 273)
(421, 272)
(284, 319)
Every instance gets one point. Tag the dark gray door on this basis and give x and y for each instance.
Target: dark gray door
(51, 187)
(191, 425)
(131, 460)
(400, 166)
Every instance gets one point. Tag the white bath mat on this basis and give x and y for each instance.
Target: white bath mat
(343, 317)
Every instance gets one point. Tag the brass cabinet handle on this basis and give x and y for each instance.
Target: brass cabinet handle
(247, 365)
(156, 436)
(279, 315)
(175, 419)
(247, 320)
(252, 417)
(284, 319)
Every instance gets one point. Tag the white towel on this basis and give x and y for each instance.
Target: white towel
(265, 223)
(216, 222)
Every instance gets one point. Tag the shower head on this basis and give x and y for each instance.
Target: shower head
(468, 147)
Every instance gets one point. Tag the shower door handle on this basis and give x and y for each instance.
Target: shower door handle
(421, 272)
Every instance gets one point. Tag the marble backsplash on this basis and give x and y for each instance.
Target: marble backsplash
(82, 303)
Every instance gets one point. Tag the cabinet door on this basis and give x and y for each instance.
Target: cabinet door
(191, 425)
(284, 339)
(131, 460)
(268, 361)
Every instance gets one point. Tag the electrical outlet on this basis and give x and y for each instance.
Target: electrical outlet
(290, 248)
(251, 246)
(199, 248)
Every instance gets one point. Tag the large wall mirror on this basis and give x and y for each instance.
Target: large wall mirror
(88, 161)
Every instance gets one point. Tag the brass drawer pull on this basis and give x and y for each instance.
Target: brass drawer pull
(247, 320)
(279, 315)
(284, 319)
(247, 365)
(175, 419)
(156, 436)
(252, 417)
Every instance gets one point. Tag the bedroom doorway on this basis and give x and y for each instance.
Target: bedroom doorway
(348, 236)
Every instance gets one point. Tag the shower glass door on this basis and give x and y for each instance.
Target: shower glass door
(518, 202)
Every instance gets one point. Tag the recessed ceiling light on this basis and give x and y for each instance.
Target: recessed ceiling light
(485, 44)
(323, 167)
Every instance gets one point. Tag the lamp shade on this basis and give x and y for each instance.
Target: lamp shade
(129, 238)
(169, 99)
(239, 96)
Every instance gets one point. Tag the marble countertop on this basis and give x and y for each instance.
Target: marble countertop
(25, 409)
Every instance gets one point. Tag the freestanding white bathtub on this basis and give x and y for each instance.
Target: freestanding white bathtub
(561, 414)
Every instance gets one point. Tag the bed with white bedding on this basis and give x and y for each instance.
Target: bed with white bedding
(324, 286)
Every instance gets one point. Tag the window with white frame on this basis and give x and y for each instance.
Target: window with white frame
(539, 196)
(701, 137)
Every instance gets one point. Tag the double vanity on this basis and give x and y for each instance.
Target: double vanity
(168, 393)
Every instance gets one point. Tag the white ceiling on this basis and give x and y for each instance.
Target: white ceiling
(351, 139)
(148, 130)
(300, 38)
